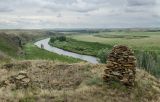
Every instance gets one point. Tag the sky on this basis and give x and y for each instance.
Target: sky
(48, 14)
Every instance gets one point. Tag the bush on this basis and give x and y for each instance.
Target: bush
(59, 38)
(103, 54)
(53, 39)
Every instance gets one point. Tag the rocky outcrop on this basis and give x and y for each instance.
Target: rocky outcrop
(18, 81)
(121, 66)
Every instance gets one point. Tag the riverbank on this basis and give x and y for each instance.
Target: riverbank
(80, 47)
(32, 52)
(46, 46)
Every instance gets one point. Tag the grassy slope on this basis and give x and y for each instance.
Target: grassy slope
(81, 82)
(7, 45)
(33, 52)
(81, 47)
(27, 35)
(4, 58)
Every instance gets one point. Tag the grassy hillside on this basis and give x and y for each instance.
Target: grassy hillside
(28, 35)
(81, 82)
(11, 41)
(7, 44)
(4, 58)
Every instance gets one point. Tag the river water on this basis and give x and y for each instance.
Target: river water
(47, 47)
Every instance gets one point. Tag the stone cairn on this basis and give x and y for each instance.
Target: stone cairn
(121, 66)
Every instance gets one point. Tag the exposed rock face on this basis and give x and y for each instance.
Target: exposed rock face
(121, 66)
(19, 81)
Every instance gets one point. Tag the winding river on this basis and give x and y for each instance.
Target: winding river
(47, 47)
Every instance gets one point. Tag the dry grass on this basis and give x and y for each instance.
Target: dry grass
(4, 58)
(81, 82)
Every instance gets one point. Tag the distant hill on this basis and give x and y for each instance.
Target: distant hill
(9, 44)
(11, 41)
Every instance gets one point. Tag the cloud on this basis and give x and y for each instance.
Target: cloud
(70, 5)
(4, 9)
(79, 13)
(141, 2)
(140, 7)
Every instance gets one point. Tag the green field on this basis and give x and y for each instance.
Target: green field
(34, 53)
(149, 43)
(8, 46)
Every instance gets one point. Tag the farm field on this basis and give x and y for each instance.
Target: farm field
(143, 41)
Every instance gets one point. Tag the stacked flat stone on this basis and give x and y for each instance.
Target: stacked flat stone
(121, 66)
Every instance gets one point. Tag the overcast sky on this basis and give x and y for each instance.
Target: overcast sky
(79, 13)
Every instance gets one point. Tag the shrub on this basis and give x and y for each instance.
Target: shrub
(53, 39)
(103, 54)
(61, 38)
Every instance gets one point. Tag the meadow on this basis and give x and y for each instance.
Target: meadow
(7, 45)
(149, 42)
